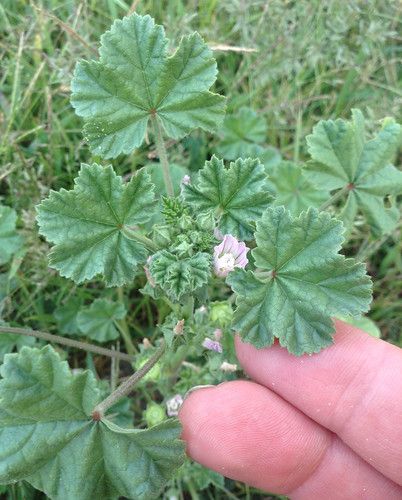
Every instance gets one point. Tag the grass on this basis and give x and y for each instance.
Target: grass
(314, 60)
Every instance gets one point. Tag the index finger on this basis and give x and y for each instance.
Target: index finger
(353, 388)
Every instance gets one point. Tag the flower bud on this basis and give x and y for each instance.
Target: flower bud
(154, 414)
(221, 313)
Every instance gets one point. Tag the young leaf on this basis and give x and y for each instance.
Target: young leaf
(91, 225)
(135, 79)
(293, 190)
(177, 276)
(344, 159)
(49, 439)
(10, 240)
(300, 282)
(99, 319)
(243, 133)
(238, 195)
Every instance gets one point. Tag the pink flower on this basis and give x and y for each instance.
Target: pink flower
(228, 255)
(228, 367)
(173, 405)
(186, 180)
(212, 345)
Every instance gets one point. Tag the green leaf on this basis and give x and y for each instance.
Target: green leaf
(66, 316)
(178, 276)
(300, 283)
(242, 135)
(49, 439)
(10, 240)
(238, 195)
(135, 80)
(98, 321)
(344, 159)
(91, 225)
(293, 190)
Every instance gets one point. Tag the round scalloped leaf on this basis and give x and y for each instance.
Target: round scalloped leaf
(344, 159)
(49, 439)
(91, 225)
(301, 282)
(135, 80)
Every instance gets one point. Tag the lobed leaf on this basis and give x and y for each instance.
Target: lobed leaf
(344, 159)
(98, 321)
(300, 283)
(49, 439)
(92, 225)
(238, 195)
(10, 240)
(243, 133)
(293, 190)
(135, 80)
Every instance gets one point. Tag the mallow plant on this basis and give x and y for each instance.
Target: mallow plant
(239, 247)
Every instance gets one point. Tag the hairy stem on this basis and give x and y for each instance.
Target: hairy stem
(335, 197)
(127, 386)
(133, 234)
(49, 337)
(160, 147)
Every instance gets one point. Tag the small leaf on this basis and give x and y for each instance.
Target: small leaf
(238, 195)
(293, 190)
(10, 240)
(178, 276)
(91, 225)
(66, 316)
(49, 439)
(344, 159)
(99, 319)
(135, 79)
(300, 283)
(243, 133)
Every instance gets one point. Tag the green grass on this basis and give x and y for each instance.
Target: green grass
(314, 60)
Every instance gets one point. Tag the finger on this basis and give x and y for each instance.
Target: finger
(353, 388)
(248, 433)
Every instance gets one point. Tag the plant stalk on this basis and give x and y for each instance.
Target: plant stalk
(123, 327)
(335, 197)
(49, 337)
(127, 386)
(133, 234)
(161, 149)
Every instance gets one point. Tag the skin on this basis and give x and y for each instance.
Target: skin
(322, 426)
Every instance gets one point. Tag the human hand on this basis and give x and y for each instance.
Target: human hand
(321, 426)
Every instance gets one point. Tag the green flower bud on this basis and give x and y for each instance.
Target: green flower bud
(221, 313)
(154, 414)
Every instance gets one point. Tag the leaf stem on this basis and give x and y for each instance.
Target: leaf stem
(335, 197)
(123, 327)
(133, 234)
(161, 149)
(127, 386)
(49, 337)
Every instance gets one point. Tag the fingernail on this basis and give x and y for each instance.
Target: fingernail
(195, 388)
